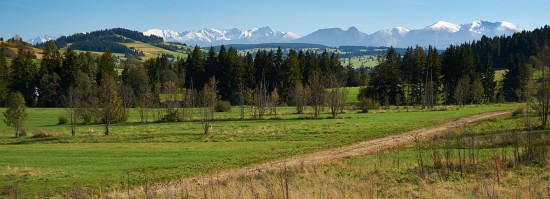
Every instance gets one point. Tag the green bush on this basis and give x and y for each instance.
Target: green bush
(367, 104)
(62, 120)
(223, 106)
(171, 117)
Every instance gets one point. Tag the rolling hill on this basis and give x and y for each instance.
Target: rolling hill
(122, 42)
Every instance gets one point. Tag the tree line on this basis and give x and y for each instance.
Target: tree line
(101, 90)
(462, 74)
(95, 90)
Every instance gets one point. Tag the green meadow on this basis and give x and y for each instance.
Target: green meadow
(162, 152)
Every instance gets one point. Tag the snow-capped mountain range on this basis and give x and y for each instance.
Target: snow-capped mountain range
(440, 34)
(42, 39)
(207, 37)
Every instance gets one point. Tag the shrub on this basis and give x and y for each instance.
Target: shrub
(171, 117)
(223, 106)
(518, 111)
(442, 108)
(22, 132)
(367, 104)
(62, 120)
(41, 133)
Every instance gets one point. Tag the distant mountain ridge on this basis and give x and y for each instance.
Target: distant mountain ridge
(213, 37)
(440, 34)
(42, 39)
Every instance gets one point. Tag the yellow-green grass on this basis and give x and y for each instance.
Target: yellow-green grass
(357, 62)
(353, 92)
(119, 55)
(167, 151)
(151, 51)
(395, 174)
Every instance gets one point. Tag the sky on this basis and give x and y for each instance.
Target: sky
(31, 18)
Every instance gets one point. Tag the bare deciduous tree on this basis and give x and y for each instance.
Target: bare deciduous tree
(317, 88)
(145, 102)
(461, 90)
(336, 96)
(251, 102)
(261, 100)
(209, 97)
(274, 101)
(171, 101)
(300, 97)
(542, 61)
(242, 99)
(72, 107)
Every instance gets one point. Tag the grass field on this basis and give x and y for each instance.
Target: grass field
(151, 51)
(353, 92)
(495, 172)
(167, 151)
(367, 61)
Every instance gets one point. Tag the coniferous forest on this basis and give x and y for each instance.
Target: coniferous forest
(461, 74)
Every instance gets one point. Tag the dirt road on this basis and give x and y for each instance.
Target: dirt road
(359, 149)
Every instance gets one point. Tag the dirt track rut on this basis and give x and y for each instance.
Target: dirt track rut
(359, 149)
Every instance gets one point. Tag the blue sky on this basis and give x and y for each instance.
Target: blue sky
(30, 18)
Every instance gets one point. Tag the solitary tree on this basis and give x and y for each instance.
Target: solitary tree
(112, 110)
(16, 115)
(461, 90)
(476, 91)
(317, 87)
(72, 106)
(274, 99)
(300, 97)
(336, 96)
(542, 62)
(171, 101)
(209, 97)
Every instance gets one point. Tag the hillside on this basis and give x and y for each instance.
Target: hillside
(11, 47)
(122, 42)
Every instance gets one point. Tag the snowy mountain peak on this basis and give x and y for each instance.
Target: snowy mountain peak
(443, 26)
(42, 39)
(509, 26)
(166, 34)
(401, 30)
(291, 36)
(207, 37)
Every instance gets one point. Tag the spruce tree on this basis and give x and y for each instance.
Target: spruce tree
(106, 66)
(22, 76)
(291, 75)
(488, 78)
(49, 87)
(3, 80)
